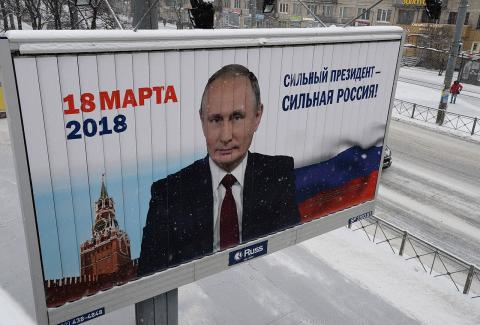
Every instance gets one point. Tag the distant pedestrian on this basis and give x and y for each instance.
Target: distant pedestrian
(442, 67)
(455, 89)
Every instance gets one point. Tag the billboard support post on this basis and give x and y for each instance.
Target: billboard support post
(159, 310)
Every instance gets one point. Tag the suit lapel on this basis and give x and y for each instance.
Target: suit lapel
(203, 202)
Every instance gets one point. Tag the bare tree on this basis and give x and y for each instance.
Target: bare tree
(55, 9)
(73, 14)
(3, 14)
(96, 15)
(18, 12)
(9, 8)
(34, 11)
(57, 14)
(433, 42)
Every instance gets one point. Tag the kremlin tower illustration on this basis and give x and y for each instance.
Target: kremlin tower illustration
(105, 259)
(109, 248)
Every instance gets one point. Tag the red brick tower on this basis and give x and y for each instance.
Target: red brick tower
(109, 248)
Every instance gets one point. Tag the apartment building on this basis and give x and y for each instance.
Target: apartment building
(340, 12)
(415, 21)
(237, 14)
(407, 13)
(295, 13)
(449, 14)
(471, 33)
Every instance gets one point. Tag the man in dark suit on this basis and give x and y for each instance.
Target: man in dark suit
(229, 197)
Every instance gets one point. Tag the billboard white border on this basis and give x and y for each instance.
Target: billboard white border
(23, 178)
(58, 42)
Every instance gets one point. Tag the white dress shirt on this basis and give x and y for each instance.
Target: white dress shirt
(219, 193)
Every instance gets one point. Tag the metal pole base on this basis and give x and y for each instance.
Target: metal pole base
(159, 310)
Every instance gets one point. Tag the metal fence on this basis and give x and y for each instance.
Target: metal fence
(463, 123)
(464, 277)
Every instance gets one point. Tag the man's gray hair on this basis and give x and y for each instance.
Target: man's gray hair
(235, 70)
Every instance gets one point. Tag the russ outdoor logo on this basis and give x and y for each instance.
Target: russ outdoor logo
(238, 256)
(247, 253)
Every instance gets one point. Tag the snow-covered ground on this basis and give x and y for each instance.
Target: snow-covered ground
(431, 77)
(11, 311)
(337, 278)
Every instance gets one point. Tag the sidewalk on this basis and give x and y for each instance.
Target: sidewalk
(431, 76)
(406, 118)
(425, 89)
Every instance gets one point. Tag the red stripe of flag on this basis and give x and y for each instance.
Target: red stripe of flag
(356, 191)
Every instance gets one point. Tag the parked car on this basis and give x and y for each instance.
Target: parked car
(387, 158)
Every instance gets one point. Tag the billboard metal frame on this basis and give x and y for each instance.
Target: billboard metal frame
(62, 42)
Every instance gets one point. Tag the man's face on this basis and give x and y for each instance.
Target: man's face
(229, 120)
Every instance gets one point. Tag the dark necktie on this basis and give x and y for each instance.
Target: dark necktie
(229, 234)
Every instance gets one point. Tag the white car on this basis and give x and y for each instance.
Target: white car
(387, 158)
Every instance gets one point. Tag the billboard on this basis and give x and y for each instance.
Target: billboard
(143, 159)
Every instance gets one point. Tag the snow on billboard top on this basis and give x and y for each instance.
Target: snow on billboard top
(74, 41)
(151, 168)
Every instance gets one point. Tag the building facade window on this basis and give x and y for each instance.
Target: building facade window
(328, 11)
(346, 12)
(313, 8)
(478, 23)
(364, 13)
(452, 18)
(425, 18)
(297, 9)
(475, 47)
(283, 8)
(236, 4)
(384, 15)
(226, 4)
(405, 17)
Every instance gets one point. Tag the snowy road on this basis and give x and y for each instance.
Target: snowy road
(433, 189)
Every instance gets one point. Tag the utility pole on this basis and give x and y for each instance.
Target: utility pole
(452, 59)
(253, 13)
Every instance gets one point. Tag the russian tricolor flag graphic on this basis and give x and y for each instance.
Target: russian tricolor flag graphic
(345, 180)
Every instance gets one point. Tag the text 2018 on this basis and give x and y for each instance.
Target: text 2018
(90, 127)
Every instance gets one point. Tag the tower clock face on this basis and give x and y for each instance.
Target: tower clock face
(100, 225)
